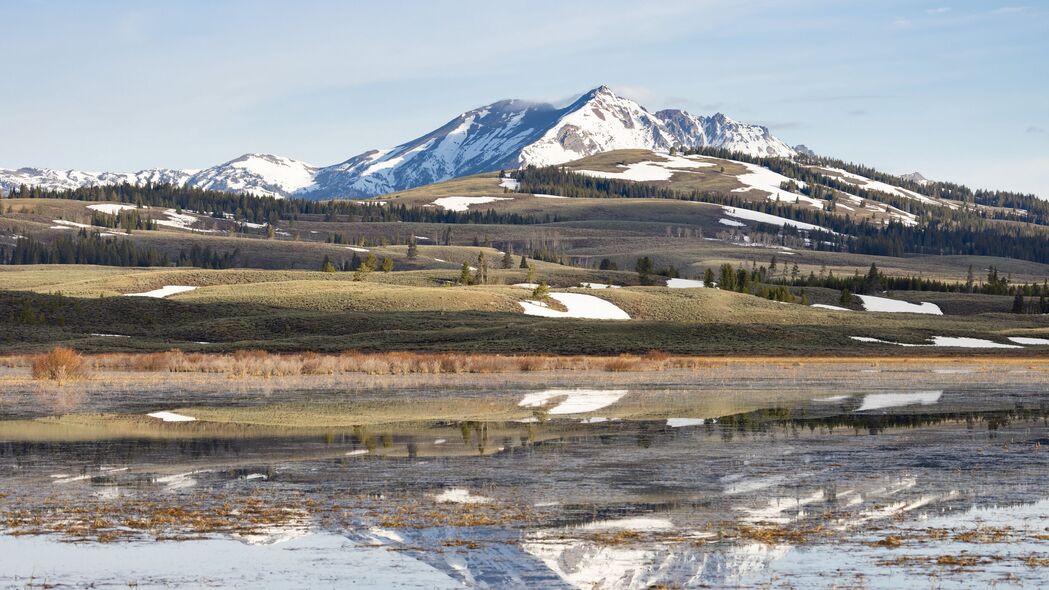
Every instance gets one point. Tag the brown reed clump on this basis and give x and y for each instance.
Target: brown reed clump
(59, 365)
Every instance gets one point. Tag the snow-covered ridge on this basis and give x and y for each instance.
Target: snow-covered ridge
(502, 135)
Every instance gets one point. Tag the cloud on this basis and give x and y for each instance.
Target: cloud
(781, 124)
(1035, 129)
(938, 10)
(1009, 10)
(833, 98)
(680, 102)
(858, 112)
(639, 94)
(902, 23)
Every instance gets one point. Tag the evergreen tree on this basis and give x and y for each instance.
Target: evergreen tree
(413, 249)
(465, 278)
(728, 278)
(643, 267)
(524, 262)
(708, 278)
(1018, 303)
(387, 264)
(508, 257)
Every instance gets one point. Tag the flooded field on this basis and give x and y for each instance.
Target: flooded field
(932, 477)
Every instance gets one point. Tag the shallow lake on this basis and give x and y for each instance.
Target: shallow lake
(575, 487)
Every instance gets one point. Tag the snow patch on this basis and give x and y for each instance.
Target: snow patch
(462, 204)
(163, 292)
(1028, 340)
(771, 219)
(684, 284)
(171, 417)
(579, 306)
(886, 305)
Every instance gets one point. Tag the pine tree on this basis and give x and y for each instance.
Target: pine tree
(464, 274)
(708, 278)
(524, 262)
(508, 257)
(387, 264)
(728, 278)
(541, 291)
(1018, 303)
(413, 249)
(327, 265)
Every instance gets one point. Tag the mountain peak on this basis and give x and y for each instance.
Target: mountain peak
(503, 134)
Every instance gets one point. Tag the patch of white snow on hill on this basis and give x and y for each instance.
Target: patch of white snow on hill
(356, 249)
(575, 401)
(771, 219)
(171, 417)
(542, 196)
(1028, 340)
(684, 284)
(763, 179)
(163, 292)
(579, 306)
(878, 401)
(731, 222)
(178, 220)
(943, 341)
(886, 305)
(830, 307)
(598, 286)
(110, 208)
(63, 224)
(510, 183)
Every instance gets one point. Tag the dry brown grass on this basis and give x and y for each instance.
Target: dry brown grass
(256, 363)
(59, 365)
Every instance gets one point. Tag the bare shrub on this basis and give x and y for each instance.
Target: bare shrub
(59, 364)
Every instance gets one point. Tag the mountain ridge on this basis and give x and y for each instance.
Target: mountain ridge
(504, 134)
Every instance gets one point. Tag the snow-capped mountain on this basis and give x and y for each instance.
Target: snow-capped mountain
(513, 133)
(915, 177)
(49, 179)
(722, 132)
(504, 134)
(260, 174)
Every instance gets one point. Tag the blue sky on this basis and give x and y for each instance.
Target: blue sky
(956, 90)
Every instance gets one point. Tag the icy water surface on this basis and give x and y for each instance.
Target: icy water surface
(564, 488)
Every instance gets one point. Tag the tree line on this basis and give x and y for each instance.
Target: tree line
(92, 248)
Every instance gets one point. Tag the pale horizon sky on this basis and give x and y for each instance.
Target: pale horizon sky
(955, 90)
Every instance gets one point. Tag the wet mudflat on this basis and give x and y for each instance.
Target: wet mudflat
(618, 486)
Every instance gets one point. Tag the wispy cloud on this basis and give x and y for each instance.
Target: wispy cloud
(1035, 129)
(833, 98)
(639, 94)
(781, 125)
(902, 23)
(858, 112)
(938, 10)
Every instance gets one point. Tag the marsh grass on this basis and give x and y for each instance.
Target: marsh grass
(258, 363)
(59, 365)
